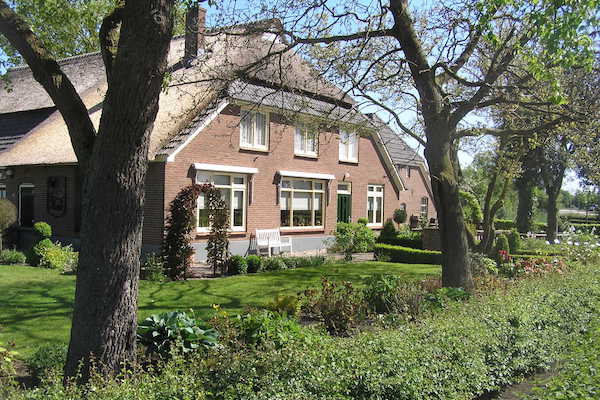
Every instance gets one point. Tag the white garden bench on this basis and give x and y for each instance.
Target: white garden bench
(270, 238)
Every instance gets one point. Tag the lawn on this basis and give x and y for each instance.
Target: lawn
(36, 303)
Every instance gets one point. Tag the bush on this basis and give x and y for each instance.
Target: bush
(482, 265)
(390, 294)
(8, 216)
(504, 224)
(465, 352)
(48, 360)
(43, 229)
(501, 244)
(514, 241)
(352, 238)
(362, 221)
(255, 264)
(399, 216)
(237, 265)
(39, 249)
(399, 254)
(12, 257)
(267, 329)
(388, 232)
(338, 306)
(289, 305)
(273, 264)
(153, 268)
(410, 239)
(161, 332)
(55, 256)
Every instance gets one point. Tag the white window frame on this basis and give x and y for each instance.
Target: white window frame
(313, 191)
(344, 146)
(305, 134)
(21, 186)
(233, 187)
(254, 145)
(426, 205)
(372, 192)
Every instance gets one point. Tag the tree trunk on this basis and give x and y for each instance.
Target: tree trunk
(552, 212)
(105, 312)
(456, 271)
(525, 208)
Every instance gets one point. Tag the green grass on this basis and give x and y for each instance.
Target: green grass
(36, 303)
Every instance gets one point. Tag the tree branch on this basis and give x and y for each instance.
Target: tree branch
(511, 132)
(48, 73)
(109, 39)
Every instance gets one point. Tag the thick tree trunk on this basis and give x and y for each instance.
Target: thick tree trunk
(525, 208)
(105, 312)
(456, 271)
(552, 211)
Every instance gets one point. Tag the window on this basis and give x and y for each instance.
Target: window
(348, 146)
(344, 188)
(26, 204)
(424, 207)
(301, 202)
(375, 205)
(254, 130)
(2, 191)
(306, 142)
(233, 192)
(403, 207)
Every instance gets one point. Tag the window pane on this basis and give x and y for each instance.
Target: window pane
(246, 129)
(379, 188)
(353, 147)
(222, 180)
(379, 211)
(203, 177)
(238, 208)
(343, 187)
(202, 212)
(226, 196)
(285, 204)
(261, 129)
(299, 141)
(318, 186)
(370, 210)
(286, 184)
(238, 180)
(342, 147)
(311, 142)
(301, 204)
(304, 185)
(318, 209)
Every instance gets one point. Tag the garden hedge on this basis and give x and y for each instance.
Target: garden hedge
(413, 243)
(587, 228)
(400, 254)
(465, 352)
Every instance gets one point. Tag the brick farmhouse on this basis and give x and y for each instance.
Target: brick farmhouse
(287, 149)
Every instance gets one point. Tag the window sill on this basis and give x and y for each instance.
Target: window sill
(311, 156)
(302, 229)
(254, 150)
(206, 234)
(375, 226)
(353, 162)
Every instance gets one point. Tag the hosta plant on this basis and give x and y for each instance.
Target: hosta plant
(161, 332)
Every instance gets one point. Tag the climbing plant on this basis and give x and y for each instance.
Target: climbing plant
(177, 248)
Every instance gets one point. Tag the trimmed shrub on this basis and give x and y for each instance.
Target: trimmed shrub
(399, 216)
(38, 250)
(514, 241)
(237, 265)
(255, 264)
(362, 221)
(399, 254)
(43, 229)
(153, 268)
(273, 264)
(388, 232)
(48, 360)
(413, 240)
(12, 257)
(501, 244)
(161, 332)
(504, 224)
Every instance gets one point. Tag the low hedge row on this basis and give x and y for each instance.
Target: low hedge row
(465, 352)
(400, 254)
(508, 224)
(586, 227)
(413, 243)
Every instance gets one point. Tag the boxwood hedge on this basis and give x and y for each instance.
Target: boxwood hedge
(400, 254)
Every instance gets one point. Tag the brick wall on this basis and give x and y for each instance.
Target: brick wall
(416, 184)
(219, 144)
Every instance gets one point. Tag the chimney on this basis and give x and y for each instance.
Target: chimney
(195, 21)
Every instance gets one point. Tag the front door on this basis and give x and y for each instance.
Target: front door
(344, 207)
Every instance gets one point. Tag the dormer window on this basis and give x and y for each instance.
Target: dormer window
(306, 142)
(348, 146)
(254, 130)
